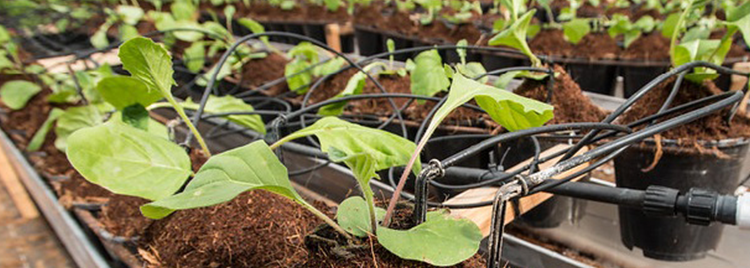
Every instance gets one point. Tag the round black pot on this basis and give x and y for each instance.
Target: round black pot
(635, 77)
(719, 167)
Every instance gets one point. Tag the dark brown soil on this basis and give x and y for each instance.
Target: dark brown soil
(653, 46)
(551, 42)
(386, 19)
(567, 98)
(121, 216)
(711, 127)
(257, 72)
(256, 229)
(596, 46)
(303, 11)
(381, 106)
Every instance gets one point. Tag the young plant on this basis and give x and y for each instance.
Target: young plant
(621, 25)
(125, 18)
(299, 71)
(364, 151)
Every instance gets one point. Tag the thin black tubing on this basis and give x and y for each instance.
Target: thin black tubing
(642, 92)
(244, 39)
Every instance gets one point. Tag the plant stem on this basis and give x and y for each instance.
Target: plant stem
(326, 219)
(676, 32)
(370, 199)
(189, 124)
(407, 169)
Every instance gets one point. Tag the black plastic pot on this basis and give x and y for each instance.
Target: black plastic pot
(368, 41)
(635, 77)
(592, 77)
(719, 167)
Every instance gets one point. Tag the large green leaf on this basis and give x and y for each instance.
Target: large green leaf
(129, 161)
(148, 62)
(226, 175)
(507, 109)
(428, 77)
(576, 29)
(227, 104)
(515, 37)
(124, 91)
(38, 139)
(349, 139)
(74, 119)
(354, 86)
(15, 94)
(440, 240)
(353, 215)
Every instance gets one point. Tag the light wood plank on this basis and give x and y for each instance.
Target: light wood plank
(483, 216)
(15, 188)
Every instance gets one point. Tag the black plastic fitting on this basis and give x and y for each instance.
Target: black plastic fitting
(701, 207)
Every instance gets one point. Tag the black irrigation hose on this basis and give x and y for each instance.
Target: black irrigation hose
(642, 92)
(242, 40)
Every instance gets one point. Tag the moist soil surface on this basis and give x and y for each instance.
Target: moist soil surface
(258, 72)
(381, 106)
(652, 46)
(567, 98)
(709, 128)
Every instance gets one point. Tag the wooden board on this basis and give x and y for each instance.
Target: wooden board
(483, 216)
(15, 188)
(60, 64)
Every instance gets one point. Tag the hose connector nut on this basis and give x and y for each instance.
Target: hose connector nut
(701, 206)
(660, 201)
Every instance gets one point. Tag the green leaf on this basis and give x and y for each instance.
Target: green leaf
(4, 35)
(226, 175)
(353, 215)
(440, 240)
(576, 29)
(129, 161)
(741, 24)
(124, 91)
(255, 28)
(130, 14)
(167, 23)
(148, 62)
(507, 109)
(136, 116)
(332, 5)
(354, 86)
(670, 25)
(329, 67)
(228, 104)
(127, 32)
(38, 140)
(645, 24)
(473, 69)
(387, 149)
(462, 51)
(183, 10)
(15, 94)
(428, 77)
(298, 82)
(515, 37)
(736, 13)
(99, 38)
(195, 56)
(74, 119)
